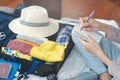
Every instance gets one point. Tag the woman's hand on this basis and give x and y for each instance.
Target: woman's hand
(95, 49)
(93, 25)
(91, 45)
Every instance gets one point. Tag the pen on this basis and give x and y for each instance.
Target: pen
(89, 17)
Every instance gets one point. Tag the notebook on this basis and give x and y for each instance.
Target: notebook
(82, 33)
(5, 70)
(95, 35)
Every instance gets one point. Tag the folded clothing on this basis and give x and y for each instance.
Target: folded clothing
(64, 35)
(48, 51)
(20, 46)
(27, 42)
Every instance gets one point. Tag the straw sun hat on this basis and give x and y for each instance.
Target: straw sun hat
(34, 22)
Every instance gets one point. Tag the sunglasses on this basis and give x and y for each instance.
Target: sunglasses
(2, 35)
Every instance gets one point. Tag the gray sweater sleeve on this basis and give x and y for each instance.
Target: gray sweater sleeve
(113, 34)
(114, 67)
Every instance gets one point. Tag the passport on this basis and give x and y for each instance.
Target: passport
(5, 69)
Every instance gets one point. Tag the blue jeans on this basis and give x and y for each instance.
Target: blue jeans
(110, 49)
(90, 75)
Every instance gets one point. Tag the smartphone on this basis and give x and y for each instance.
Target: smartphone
(81, 36)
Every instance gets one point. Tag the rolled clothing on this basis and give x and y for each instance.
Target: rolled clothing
(16, 53)
(32, 39)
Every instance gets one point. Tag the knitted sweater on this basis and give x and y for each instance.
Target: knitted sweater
(114, 67)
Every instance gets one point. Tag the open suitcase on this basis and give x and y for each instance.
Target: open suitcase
(26, 67)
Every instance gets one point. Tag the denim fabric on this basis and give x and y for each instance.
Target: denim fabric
(5, 33)
(111, 49)
(90, 75)
(92, 61)
(73, 66)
